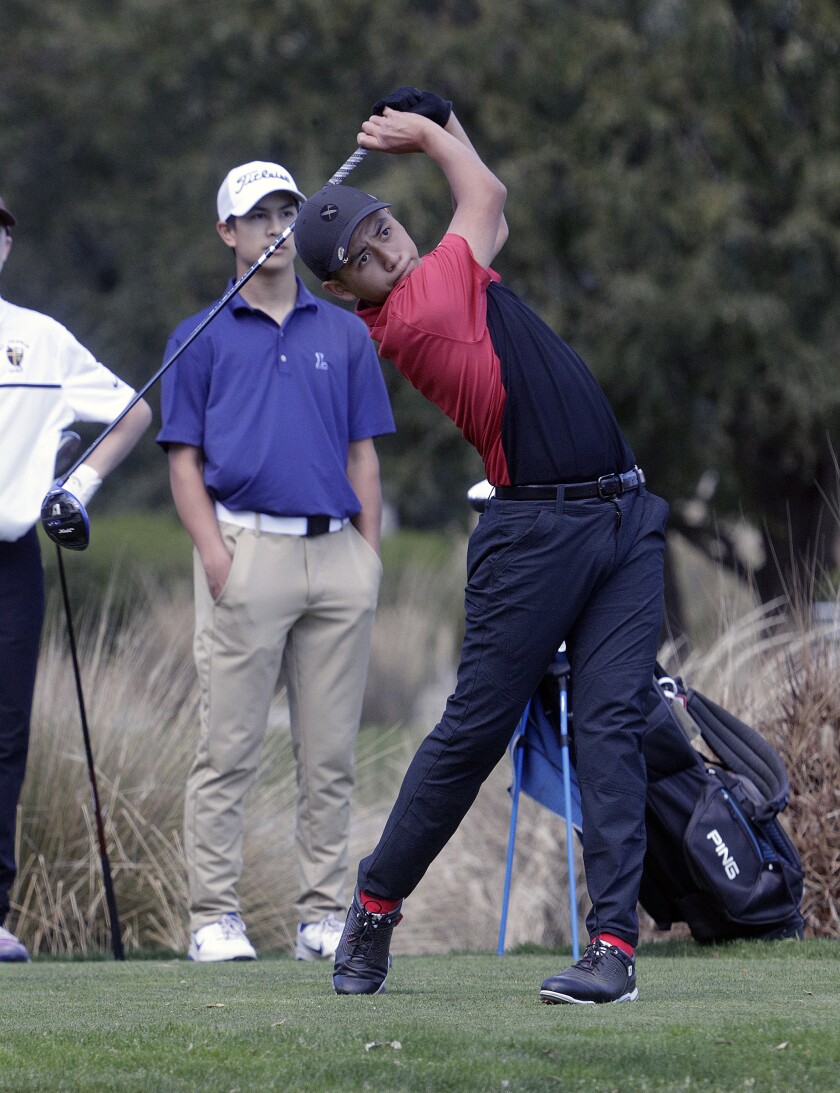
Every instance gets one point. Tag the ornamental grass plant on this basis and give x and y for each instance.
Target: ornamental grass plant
(141, 700)
(774, 667)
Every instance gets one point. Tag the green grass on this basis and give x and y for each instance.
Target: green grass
(745, 1017)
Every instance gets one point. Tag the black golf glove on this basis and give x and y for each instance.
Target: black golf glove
(414, 101)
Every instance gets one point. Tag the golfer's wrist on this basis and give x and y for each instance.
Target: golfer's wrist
(83, 483)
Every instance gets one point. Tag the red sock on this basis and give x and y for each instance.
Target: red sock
(611, 939)
(376, 905)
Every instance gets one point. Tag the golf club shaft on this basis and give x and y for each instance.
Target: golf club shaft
(343, 171)
(113, 917)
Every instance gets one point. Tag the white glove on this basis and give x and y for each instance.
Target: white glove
(83, 483)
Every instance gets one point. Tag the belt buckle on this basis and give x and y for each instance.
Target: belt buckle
(317, 525)
(604, 484)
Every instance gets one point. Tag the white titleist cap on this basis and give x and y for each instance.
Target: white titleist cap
(244, 186)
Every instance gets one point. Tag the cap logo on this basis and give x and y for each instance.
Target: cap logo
(244, 180)
(329, 212)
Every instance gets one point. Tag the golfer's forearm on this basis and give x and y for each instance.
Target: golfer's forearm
(119, 442)
(363, 475)
(368, 522)
(192, 501)
(470, 179)
(457, 130)
(478, 197)
(454, 127)
(199, 518)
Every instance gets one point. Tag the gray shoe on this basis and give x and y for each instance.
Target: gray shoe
(222, 940)
(318, 940)
(603, 974)
(11, 949)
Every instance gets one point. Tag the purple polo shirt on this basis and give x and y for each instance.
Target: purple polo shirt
(274, 408)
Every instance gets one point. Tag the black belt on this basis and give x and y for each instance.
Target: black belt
(607, 487)
(317, 525)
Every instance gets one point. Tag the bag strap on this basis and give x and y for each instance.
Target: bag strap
(743, 750)
(673, 689)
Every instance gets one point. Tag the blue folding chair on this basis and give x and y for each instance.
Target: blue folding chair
(533, 749)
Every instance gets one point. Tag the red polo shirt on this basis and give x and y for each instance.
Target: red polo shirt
(519, 394)
(433, 327)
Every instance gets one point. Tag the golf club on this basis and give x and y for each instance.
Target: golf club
(68, 446)
(76, 538)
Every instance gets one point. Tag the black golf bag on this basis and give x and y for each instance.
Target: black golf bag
(717, 857)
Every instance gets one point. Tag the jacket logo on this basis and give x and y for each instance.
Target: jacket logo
(730, 866)
(321, 361)
(14, 354)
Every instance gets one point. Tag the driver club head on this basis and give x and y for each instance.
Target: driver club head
(64, 519)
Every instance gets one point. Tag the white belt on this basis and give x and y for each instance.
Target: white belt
(277, 525)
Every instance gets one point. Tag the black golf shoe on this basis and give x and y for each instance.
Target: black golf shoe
(603, 974)
(362, 959)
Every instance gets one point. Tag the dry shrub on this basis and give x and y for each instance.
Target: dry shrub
(458, 904)
(414, 639)
(141, 699)
(141, 696)
(804, 725)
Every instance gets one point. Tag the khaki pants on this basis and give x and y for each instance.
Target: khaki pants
(306, 605)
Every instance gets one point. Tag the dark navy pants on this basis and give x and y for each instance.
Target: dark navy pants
(539, 573)
(21, 618)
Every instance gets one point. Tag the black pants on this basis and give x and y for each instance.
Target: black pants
(586, 572)
(21, 618)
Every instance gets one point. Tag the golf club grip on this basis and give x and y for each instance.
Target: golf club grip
(340, 175)
(348, 166)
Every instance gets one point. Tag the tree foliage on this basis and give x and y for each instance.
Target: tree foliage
(673, 171)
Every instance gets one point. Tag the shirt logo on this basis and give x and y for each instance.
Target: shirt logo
(329, 212)
(14, 354)
(321, 361)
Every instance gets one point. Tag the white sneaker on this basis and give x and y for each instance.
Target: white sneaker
(11, 950)
(222, 940)
(318, 940)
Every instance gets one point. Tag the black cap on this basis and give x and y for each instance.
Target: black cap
(325, 223)
(6, 218)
